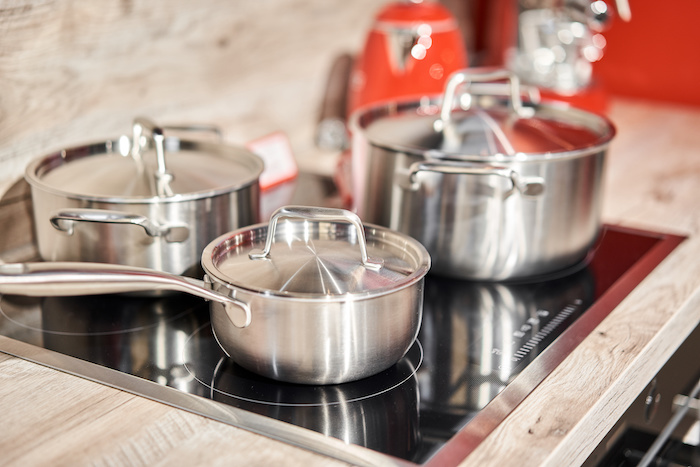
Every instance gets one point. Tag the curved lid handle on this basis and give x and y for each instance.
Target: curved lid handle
(483, 76)
(162, 176)
(318, 214)
(451, 135)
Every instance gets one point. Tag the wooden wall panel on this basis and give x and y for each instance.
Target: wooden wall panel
(75, 71)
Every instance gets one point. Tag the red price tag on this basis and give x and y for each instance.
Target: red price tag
(276, 151)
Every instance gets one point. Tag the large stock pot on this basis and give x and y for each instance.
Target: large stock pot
(495, 188)
(314, 297)
(150, 200)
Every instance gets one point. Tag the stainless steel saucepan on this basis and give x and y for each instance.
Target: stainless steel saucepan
(312, 297)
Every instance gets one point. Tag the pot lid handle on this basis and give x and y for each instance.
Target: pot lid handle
(319, 214)
(451, 99)
(481, 76)
(162, 176)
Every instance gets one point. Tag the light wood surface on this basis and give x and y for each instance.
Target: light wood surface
(51, 418)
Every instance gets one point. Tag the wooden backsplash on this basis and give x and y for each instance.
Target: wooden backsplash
(76, 71)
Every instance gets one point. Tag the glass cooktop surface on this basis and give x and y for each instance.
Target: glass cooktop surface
(475, 340)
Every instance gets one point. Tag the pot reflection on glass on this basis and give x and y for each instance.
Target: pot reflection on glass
(502, 324)
(143, 337)
(379, 412)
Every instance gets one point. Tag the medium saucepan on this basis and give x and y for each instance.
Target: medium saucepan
(314, 297)
(152, 200)
(494, 187)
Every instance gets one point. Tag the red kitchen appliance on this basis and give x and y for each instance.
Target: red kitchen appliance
(411, 49)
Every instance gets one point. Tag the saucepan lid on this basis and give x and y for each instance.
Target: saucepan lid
(148, 166)
(480, 117)
(312, 252)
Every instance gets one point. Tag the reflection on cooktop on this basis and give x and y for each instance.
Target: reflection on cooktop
(478, 336)
(380, 412)
(134, 335)
(225, 379)
(102, 315)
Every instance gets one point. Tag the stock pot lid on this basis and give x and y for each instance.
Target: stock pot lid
(109, 170)
(482, 133)
(316, 258)
(482, 126)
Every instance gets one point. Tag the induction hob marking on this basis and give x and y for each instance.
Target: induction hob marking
(535, 340)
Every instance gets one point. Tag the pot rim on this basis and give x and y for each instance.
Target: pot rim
(430, 108)
(56, 158)
(372, 231)
(316, 299)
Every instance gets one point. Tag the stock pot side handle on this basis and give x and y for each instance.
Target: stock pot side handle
(319, 214)
(64, 220)
(527, 186)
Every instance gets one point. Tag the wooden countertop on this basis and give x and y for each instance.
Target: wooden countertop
(652, 182)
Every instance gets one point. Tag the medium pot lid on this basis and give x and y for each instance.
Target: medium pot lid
(311, 252)
(146, 167)
(497, 128)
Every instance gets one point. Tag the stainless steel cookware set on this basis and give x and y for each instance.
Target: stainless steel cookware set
(477, 182)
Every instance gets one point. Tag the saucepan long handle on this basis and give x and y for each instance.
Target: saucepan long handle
(55, 279)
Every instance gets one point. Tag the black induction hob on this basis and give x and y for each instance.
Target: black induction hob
(479, 342)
